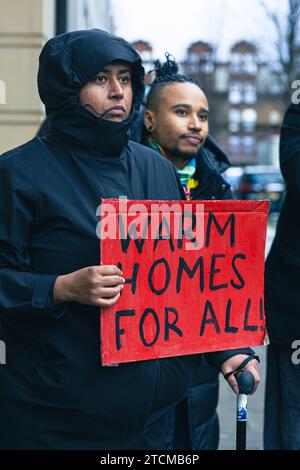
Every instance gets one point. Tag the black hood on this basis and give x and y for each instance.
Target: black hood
(67, 63)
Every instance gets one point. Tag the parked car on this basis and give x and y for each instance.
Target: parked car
(262, 182)
(233, 175)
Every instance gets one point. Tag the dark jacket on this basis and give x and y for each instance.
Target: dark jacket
(283, 263)
(211, 162)
(54, 394)
(196, 419)
(194, 422)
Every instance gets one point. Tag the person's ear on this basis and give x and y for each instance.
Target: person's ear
(149, 120)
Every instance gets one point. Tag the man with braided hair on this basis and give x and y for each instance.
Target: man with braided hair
(176, 126)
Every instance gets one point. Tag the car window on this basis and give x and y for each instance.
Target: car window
(264, 178)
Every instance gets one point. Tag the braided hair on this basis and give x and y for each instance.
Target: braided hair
(165, 74)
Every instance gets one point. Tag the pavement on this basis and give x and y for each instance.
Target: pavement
(227, 399)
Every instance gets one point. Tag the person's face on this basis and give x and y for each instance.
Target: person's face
(180, 121)
(110, 93)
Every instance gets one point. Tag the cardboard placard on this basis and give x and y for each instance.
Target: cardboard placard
(194, 275)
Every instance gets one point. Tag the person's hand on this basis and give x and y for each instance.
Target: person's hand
(233, 364)
(100, 286)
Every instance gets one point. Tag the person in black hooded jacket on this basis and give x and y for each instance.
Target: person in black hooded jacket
(282, 302)
(174, 122)
(54, 392)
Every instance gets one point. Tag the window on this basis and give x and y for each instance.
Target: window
(249, 93)
(235, 93)
(242, 92)
(236, 63)
(243, 63)
(250, 66)
(275, 87)
(193, 58)
(234, 119)
(206, 62)
(249, 117)
(248, 143)
(234, 143)
(207, 67)
(275, 117)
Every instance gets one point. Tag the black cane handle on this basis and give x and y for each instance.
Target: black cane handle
(245, 381)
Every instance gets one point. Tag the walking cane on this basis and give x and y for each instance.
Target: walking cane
(246, 384)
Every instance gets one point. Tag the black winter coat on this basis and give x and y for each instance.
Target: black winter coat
(54, 394)
(196, 420)
(283, 263)
(211, 162)
(194, 424)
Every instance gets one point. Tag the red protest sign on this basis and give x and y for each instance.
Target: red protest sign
(194, 275)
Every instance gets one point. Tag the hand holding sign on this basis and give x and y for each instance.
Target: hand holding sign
(95, 285)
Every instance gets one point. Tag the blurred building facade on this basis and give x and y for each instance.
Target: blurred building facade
(25, 26)
(145, 50)
(245, 99)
